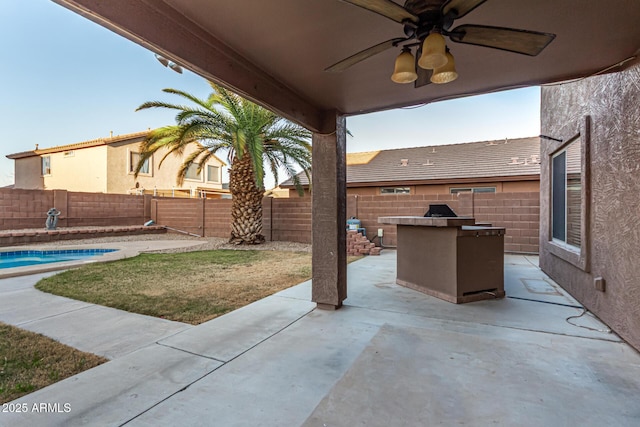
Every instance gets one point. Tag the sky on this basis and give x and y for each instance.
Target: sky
(66, 79)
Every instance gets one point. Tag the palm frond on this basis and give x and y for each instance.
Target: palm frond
(227, 122)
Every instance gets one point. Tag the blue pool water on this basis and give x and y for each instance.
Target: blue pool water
(12, 259)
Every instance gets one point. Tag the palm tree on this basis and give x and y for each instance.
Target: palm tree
(251, 135)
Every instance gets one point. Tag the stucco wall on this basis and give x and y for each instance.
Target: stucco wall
(161, 177)
(611, 136)
(80, 170)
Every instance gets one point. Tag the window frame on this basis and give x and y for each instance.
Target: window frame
(42, 167)
(577, 256)
(132, 164)
(217, 180)
(193, 166)
(457, 190)
(395, 191)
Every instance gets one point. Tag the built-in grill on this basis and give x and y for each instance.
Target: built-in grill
(440, 210)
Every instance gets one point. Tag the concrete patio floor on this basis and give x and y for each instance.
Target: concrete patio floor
(390, 357)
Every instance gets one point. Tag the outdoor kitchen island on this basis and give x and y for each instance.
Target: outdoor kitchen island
(450, 258)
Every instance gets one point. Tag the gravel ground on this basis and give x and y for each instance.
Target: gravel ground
(208, 243)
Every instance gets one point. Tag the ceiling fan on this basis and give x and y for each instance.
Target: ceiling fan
(426, 22)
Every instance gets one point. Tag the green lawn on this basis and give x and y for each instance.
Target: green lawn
(190, 287)
(30, 361)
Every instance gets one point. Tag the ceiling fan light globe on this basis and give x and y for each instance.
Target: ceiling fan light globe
(404, 71)
(447, 73)
(433, 52)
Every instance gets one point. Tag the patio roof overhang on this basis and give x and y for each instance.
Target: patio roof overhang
(275, 53)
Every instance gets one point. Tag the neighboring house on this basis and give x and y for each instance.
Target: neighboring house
(509, 165)
(277, 192)
(106, 165)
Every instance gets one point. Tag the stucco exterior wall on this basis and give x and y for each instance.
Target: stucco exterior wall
(106, 168)
(78, 170)
(521, 186)
(121, 180)
(611, 140)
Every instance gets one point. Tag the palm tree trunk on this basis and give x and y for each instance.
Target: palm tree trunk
(246, 204)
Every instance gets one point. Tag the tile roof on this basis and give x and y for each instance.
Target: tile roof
(485, 159)
(87, 144)
(79, 145)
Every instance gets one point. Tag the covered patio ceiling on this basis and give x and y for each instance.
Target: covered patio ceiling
(275, 52)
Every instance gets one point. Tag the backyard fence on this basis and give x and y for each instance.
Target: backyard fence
(28, 208)
(283, 219)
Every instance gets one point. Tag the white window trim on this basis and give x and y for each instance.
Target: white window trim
(42, 166)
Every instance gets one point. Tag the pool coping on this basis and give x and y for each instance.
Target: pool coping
(122, 250)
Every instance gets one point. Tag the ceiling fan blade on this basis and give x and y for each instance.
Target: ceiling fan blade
(459, 8)
(364, 54)
(424, 77)
(510, 39)
(386, 8)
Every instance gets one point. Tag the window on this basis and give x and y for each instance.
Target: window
(192, 172)
(46, 165)
(566, 195)
(472, 190)
(134, 158)
(395, 190)
(213, 173)
(567, 176)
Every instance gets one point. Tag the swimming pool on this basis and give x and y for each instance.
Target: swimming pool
(11, 259)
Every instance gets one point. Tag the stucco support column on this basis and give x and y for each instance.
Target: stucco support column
(329, 214)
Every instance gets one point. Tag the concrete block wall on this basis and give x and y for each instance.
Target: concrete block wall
(85, 209)
(283, 219)
(24, 208)
(181, 214)
(217, 218)
(28, 208)
(369, 208)
(287, 219)
(519, 213)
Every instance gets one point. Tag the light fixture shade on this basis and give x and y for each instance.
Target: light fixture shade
(161, 59)
(175, 67)
(405, 69)
(446, 73)
(433, 52)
